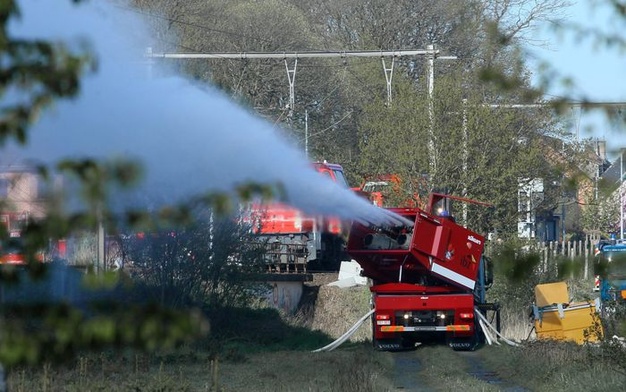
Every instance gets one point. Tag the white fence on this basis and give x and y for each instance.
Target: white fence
(555, 254)
(553, 251)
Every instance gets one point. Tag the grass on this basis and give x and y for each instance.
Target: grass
(354, 368)
(516, 325)
(546, 364)
(249, 349)
(262, 349)
(446, 370)
(333, 310)
(539, 365)
(558, 366)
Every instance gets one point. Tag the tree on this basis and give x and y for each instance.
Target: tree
(595, 206)
(481, 152)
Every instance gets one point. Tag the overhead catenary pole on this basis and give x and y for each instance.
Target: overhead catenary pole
(621, 195)
(388, 77)
(432, 54)
(306, 133)
(149, 62)
(431, 116)
(291, 75)
(101, 240)
(465, 159)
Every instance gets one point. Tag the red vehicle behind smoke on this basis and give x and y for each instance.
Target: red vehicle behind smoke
(389, 190)
(12, 247)
(296, 242)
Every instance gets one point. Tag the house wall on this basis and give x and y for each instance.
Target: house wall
(20, 192)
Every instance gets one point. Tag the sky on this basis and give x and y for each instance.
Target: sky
(598, 73)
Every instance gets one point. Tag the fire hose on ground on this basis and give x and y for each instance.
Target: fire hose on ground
(346, 335)
(487, 328)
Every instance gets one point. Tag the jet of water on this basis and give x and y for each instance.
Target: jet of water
(190, 139)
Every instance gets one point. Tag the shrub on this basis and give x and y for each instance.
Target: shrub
(204, 262)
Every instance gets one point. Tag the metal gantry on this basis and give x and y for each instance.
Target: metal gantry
(431, 52)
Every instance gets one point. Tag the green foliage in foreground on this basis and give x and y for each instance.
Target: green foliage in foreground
(247, 349)
(37, 328)
(354, 369)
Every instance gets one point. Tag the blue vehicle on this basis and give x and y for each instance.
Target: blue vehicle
(611, 267)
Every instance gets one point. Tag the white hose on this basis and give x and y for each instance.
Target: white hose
(482, 318)
(346, 335)
(487, 329)
(485, 332)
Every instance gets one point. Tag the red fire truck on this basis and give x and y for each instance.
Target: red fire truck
(428, 278)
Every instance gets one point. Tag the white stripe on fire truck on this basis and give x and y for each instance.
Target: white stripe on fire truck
(426, 328)
(454, 276)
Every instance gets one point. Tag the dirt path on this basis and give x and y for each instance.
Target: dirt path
(406, 372)
(478, 369)
(409, 365)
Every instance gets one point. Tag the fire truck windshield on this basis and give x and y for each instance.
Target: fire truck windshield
(375, 186)
(341, 180)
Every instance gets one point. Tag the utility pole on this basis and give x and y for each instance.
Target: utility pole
(432, 54)
(101, 239)
(621, 195)
(306, 133)
(431, 117)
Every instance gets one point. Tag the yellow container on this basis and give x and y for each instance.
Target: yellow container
(556, 318)
(578, 322)
(549, 294)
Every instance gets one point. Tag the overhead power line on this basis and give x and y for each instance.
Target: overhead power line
(191, 24)
(555, 103)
